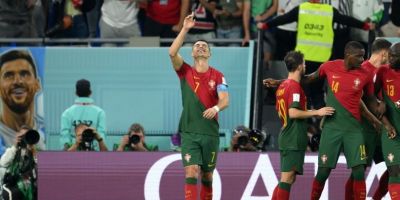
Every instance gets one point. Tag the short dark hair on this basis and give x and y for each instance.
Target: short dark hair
(18, 54)
(380, 44)
(293, 59)
(352, 46)
(83, 88)
(136, 127)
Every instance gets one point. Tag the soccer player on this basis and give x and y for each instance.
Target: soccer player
(342, 131)
(388, 80)
(204, 94)
(379, 57)
(291, 108)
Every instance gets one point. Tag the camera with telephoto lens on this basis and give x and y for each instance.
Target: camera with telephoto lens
(248, 140)
(134, 139)
(31, 137)
(87, 139)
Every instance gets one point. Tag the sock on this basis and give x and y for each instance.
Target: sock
(382, 189)
(206, 190)
(283, 191)
(394, 187)
(394, 191)
(191, 189)
(348, 195)
(359, 189)
(317, 188)
(275, 193)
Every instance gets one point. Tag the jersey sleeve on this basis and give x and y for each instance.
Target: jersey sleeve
(294, 96)
(183, 70)
(321, 71)
(222, 85)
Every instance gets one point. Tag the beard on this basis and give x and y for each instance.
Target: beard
(19, 109)
(15, 104)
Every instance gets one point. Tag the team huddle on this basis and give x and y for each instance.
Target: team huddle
(361, 119)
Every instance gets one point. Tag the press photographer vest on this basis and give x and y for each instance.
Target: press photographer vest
(315, 32)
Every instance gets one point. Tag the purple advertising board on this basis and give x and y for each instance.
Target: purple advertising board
(160, 176)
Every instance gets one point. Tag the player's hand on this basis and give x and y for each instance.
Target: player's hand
(391, 131)
(189, 21)
(209, 113)
(325, 111)
(269, 82)
(397, 103)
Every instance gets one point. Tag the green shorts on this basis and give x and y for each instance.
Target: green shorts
(390, 149)
(200, 149)
(373, 147)
(292, 160)
(334, 141)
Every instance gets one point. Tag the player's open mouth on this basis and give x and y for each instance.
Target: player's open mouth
(18, 91)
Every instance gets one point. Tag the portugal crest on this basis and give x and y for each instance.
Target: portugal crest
(211, 83)
(356, 83)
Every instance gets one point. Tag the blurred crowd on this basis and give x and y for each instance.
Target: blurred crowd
(228, 19)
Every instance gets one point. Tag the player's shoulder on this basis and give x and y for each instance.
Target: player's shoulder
(291, 84)
(333, 64)
(214, 70)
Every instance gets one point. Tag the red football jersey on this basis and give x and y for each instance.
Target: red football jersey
(347, 86)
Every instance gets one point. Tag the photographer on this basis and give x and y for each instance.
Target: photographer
(134, 140)
(85, 137)
(244, 139)
(19, 181)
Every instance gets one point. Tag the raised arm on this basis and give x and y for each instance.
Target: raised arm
(176, 58)
(296, 113)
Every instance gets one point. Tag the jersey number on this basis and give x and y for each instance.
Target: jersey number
(197, 86)
(282, 111)
(335, 86)
(390, 90)
(363, 153)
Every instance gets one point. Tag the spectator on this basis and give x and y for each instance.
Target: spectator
(341, 31)
(366, 10)
(165, 18)
(228, 16)
(257, 11)
(82, 112)
(134, 140)
(16, 19)
(204, 27)
(76, 11)
(119, 20)
(19, 85)
(85, 136)
(39, 16)
(395, 9)
(320, 32)
(20, 181)
(285, 34)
